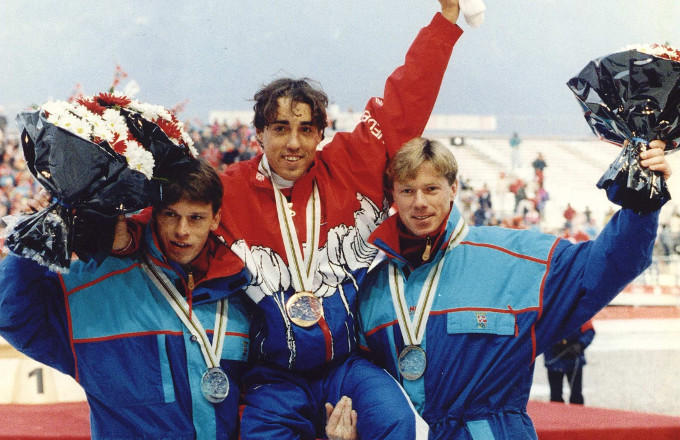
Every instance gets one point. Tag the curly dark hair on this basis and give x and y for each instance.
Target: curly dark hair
(302, 90)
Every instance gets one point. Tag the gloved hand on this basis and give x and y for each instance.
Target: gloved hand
(574, 349)
(473, 11)
(567, 350)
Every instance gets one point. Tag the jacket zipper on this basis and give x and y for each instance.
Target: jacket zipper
(428, 249)
(190, 281)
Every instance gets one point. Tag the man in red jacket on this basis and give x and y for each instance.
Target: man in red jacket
(299, 217)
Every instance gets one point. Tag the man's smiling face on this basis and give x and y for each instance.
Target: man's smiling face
(290, 141)
(424, 202)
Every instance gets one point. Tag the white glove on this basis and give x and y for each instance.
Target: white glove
(473, 10)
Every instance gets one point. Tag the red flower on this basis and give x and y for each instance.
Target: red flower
(91, 105)
(669, 53)
(119, 144)
(108, 100)
(169, 128)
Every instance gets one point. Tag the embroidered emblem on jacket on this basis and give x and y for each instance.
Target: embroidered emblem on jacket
(481, 319)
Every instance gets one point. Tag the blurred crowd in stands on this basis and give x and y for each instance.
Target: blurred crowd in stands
(517, 203)
(222, 144)
(512, 202)
(16, 182)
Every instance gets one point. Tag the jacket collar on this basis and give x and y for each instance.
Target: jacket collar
(259, 176)
(386, 235)
(215, 252)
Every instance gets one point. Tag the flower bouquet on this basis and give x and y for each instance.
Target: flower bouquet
(630, 98)
(98, 157)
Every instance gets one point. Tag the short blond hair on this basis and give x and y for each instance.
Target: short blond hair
(404, 165)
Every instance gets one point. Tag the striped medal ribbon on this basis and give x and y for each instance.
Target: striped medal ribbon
(412, 360)
(214, 381)
(303, 308)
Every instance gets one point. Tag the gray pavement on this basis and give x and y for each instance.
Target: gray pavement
(632, 365)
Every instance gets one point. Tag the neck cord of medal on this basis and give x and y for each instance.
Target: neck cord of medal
(214, 381)
(303, 308)
(412, 357)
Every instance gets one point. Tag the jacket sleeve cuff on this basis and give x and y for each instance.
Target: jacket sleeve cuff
(448, 31)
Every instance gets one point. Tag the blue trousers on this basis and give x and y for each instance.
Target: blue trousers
(281, 404)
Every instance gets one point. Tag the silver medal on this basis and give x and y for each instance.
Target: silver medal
(215, 385)
(412, 362)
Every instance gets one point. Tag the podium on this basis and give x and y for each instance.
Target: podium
(26, 381)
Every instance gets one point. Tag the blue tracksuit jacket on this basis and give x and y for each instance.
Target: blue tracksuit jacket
(504, 296)
(108, 327)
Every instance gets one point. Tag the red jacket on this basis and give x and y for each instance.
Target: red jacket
(348, 172)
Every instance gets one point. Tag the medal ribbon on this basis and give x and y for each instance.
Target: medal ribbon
(413, 330)
(301, 266)
(212, 352)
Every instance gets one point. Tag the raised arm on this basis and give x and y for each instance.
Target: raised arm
(412, 89)
(583, 278)
(405, 106)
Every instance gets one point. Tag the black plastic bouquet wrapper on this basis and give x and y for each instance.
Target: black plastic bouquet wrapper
(632, 96)
(167, 156)
(90, 184)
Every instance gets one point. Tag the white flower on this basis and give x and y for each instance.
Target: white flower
(173, 140)
(165, 114)
(80, 111)
(192, 149)
(99, 128)
(657, 50)
(139, 159)
(52, 117)
(68, 121)
(81, 128)
(119, 94)
(55, 109)
(115, 122)
(150, 111)
(188, 141)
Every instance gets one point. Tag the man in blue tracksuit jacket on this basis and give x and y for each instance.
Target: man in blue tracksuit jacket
(458, 314)
(110, 327)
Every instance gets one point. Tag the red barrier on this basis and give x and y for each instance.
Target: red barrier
(553, 421)
(62, 421)
(558, 421)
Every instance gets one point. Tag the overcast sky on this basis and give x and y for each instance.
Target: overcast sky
(216, 54)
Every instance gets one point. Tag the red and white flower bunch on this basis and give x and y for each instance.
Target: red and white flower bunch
(99, 118)
(657, 50)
